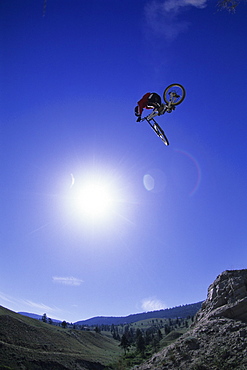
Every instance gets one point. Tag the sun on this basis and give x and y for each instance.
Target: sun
(95, 200)
(94, 197)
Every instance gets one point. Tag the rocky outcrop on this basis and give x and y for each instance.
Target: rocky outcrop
(218, 338)
(227, 297)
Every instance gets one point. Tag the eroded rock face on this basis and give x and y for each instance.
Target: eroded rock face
(216, 344)
(218, 338)
(227, 297)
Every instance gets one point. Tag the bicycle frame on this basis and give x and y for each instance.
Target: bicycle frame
(165, 108)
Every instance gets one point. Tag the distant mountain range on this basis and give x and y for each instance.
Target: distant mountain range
(169, 313)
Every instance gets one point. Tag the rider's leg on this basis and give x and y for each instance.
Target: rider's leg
(154, 100)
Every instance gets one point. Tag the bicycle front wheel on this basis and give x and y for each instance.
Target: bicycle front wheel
(159, 132)
(174, 94)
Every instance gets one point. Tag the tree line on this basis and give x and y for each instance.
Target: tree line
(117, 331)
(148, 337)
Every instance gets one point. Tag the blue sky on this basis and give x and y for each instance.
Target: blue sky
(175, 216)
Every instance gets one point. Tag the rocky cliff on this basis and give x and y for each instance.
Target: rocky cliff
(218, 338)
(227, 297)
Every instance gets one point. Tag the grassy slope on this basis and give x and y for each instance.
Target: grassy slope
(28, 342)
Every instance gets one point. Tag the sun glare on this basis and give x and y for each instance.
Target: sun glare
(95, 200)
(94, 197)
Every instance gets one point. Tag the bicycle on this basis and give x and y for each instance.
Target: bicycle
(173, 95)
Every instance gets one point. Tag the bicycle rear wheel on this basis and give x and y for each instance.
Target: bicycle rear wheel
(174, 94)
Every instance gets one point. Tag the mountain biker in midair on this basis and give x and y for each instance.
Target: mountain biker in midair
(148, 101)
